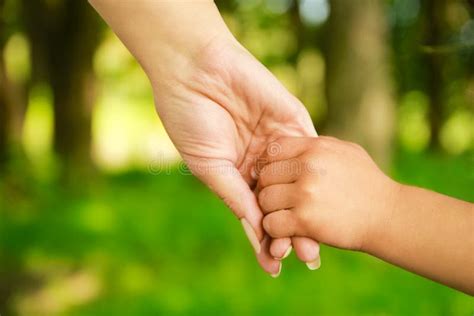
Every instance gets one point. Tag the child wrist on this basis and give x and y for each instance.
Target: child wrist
(381, 218)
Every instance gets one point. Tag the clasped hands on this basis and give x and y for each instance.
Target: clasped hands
(232, 121)
(253, 143)
(222, 113)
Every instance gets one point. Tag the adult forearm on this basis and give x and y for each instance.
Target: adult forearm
(163, 35)
(431, 235)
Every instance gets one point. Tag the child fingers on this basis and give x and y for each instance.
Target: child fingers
(307, 250)
(280, 248)
(280, 224)
(276, 197)
(284, 148)
(284, 171)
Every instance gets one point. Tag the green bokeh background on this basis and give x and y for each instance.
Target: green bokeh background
(140, 236)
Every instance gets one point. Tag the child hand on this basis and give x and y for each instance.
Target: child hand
(325, 189)
(331, 191)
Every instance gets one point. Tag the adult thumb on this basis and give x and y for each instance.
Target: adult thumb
(223, 178)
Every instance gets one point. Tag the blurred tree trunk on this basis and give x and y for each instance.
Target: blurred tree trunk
(307, 40)
(435, 10)
(3, 118)
(72, 45)
(299, 31)
(4, 114)
(4, 110)
(64, 36)
(358, 86)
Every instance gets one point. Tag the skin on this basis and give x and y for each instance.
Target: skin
(219, 105)
(332, 191)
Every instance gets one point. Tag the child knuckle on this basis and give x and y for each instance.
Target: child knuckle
(323, 143)
(264, 175)
(262, 196)
(303, 218)
(270, 224)
(308, 189)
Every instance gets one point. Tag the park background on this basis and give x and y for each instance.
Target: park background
(98, 217)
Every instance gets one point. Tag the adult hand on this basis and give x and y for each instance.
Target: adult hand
(222, 112)
(219, 105)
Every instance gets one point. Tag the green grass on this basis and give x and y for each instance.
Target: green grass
(165, 245)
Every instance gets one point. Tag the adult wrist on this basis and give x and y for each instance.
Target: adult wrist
(165, 35)
(179, 44)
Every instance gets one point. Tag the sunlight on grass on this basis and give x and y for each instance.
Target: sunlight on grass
(60, 294)
(160, 245)
(98, 217)
(135, 278)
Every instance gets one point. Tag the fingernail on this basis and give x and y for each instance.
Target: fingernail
(287, 253)
(314, 265)
(275, 275)
(251, 235)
